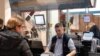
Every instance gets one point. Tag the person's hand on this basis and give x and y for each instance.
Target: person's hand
(47, 54)
(47, 50)
(68, 55)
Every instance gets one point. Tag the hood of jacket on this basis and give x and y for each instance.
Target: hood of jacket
(9, 39)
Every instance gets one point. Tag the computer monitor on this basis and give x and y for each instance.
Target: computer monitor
(87, 36)
(39, 19)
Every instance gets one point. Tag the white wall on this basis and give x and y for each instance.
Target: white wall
(42, 33)
(2, 9)
(5, 10)
(53, 19)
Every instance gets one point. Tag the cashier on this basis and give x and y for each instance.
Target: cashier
(61, 44)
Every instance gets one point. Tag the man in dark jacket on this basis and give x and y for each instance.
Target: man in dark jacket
(61, 44)
(11, 41)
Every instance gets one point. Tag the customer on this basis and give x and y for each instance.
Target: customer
(96, 37)
(90, 45)
(61, 44)
(93, 28)
(11, 41)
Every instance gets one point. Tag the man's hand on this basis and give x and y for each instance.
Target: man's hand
(47, 50)
(72, 53)
(68, 55)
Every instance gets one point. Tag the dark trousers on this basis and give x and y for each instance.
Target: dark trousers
(84, 51)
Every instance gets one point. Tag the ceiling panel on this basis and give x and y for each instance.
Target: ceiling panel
(49, 4)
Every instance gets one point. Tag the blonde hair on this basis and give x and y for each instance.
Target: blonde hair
(91, 24)
(14, 21)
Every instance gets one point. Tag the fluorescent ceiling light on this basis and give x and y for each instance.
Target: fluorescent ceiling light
(96, 14)
(64, 11)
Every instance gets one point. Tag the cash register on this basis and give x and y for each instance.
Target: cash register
(37, 48)
(87, 38)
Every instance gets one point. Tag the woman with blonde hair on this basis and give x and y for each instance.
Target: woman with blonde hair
(11, 40)
(93, 28)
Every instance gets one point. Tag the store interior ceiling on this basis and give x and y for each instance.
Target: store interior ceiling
(95, 10)
(50, 4)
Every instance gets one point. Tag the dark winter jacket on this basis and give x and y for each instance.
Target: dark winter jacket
(66, 50)
(12, 44)
(95, 30)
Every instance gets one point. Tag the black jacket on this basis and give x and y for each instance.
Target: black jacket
(95, 30)
(12, 44)
(66, 50)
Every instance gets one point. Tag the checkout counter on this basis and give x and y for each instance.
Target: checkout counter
(83, 46)
(36, 47)
(87, 46)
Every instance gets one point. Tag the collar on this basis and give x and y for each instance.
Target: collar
(61, 37)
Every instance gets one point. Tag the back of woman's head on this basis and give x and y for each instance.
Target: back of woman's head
(91, 24)
(14, 21)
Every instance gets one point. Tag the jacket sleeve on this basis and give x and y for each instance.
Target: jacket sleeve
(25, 49)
